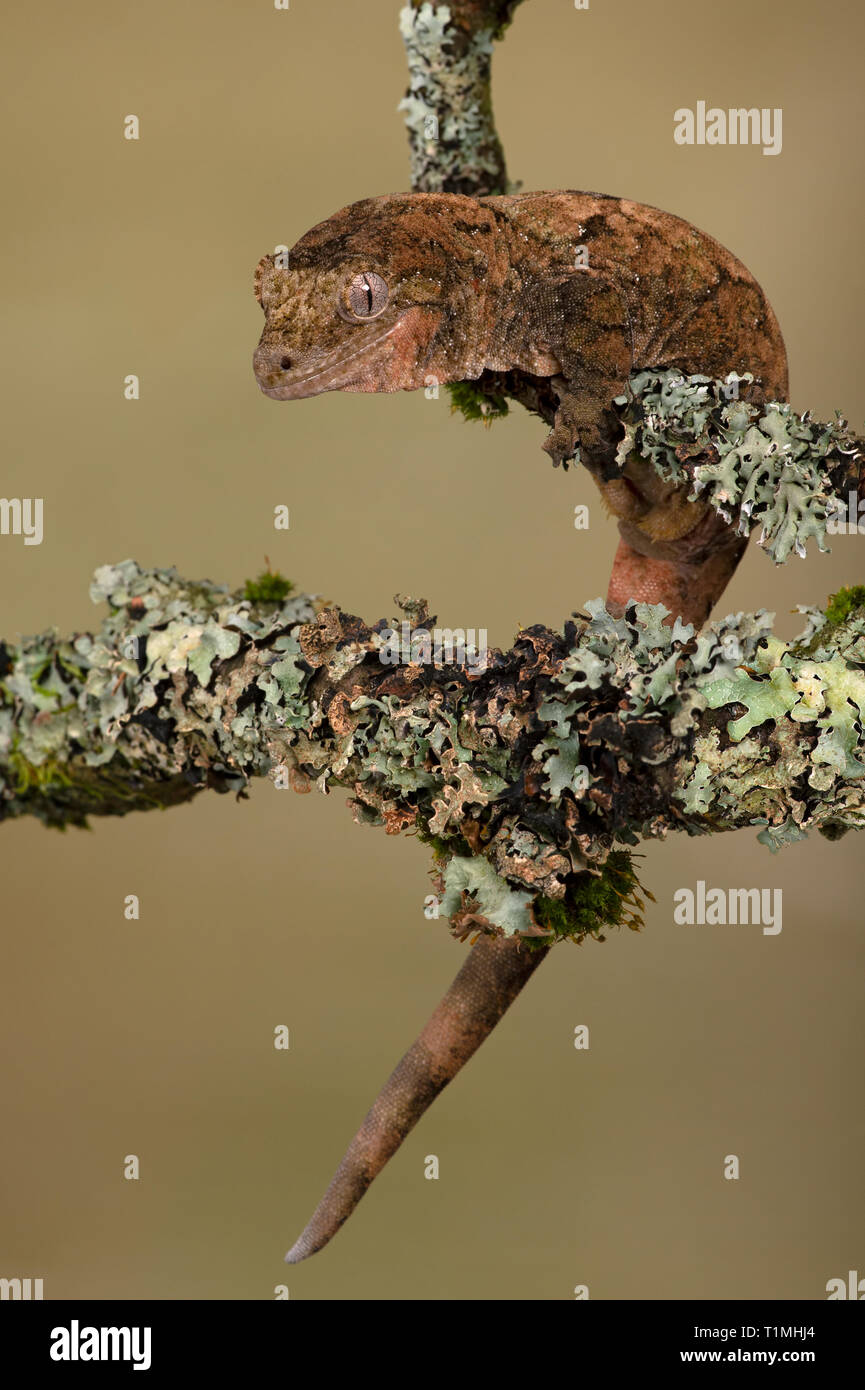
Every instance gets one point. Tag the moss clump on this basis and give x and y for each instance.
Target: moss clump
(593, 902)
(443, 848)
(842, 604)
(37, 777)
(469, 400)
(269, 587)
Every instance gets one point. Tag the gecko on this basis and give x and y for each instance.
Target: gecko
(554, 299)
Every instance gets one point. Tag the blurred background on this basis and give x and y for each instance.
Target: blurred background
(155, 1037)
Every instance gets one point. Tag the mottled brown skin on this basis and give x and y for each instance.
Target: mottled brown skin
(489, 288)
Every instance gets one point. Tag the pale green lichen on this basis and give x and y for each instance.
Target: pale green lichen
(761, 465)
(505, 907)
(806, 772)
(85, 723)
(453, 142)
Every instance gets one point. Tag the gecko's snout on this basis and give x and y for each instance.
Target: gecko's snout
(270, 365)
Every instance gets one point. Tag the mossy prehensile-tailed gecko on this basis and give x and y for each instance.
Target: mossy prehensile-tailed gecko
(558, 297)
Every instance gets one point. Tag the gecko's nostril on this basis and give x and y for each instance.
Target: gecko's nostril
(285, 364)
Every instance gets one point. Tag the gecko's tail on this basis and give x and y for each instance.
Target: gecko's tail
(488, 983)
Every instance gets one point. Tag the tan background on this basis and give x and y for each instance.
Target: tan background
(154, 1038)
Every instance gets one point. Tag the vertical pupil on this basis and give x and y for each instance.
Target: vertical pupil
(368, 287)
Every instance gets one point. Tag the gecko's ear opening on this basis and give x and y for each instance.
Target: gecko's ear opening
(264, 265)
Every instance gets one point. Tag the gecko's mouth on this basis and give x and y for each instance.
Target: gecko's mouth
(338, 370)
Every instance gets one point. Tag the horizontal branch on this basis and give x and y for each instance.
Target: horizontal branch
(524, 768)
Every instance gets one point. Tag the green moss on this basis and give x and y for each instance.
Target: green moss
(504, 24)
(443, 847)
(269, 587)
(37, 777)
(593, 902)
(841, 605)
(68, 792)
(469, 400)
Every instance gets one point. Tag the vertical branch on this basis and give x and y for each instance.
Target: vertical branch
(453, 140)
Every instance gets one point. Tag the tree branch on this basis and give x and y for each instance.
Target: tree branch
(453, 141)
(524, 768)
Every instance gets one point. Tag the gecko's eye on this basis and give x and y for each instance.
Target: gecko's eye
(364, 297)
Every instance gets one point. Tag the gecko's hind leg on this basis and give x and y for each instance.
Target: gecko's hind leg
(488, 983)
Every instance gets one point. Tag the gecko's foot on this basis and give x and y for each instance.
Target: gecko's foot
(588, 447)
(568, 440)
(561, 451)
(579, 432)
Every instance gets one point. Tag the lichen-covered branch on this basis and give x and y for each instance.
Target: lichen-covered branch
(453, 141)
(527, 771)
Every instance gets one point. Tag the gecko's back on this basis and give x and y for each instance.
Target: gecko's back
(691, 303)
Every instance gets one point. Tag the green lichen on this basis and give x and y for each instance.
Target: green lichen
(504, 906)
(757, 465)
(453, 143)
(763, 699)
(805, 701)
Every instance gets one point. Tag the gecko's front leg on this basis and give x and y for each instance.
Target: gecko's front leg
(581, 422)
(583, 323)
(486, 986)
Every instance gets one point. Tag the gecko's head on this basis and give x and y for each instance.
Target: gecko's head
(386, 295)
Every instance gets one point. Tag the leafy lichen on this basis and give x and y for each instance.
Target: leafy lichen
(756, 464)
(453, 142)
